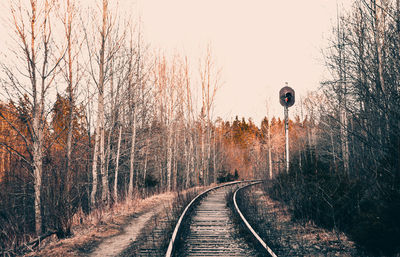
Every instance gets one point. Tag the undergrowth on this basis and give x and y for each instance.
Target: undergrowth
(367, 209)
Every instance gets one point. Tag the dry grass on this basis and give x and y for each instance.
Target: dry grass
(90, 230)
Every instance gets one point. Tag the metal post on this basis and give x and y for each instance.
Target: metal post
(287, 137)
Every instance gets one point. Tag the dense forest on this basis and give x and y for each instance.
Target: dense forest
(94, 116)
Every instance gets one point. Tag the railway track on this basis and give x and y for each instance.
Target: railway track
(205, 227)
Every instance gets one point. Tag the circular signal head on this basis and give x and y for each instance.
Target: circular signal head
(286, 96)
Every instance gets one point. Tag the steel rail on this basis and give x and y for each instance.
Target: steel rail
(178, 224)
(247, 223)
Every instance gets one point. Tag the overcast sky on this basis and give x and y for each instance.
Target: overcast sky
(259, 44)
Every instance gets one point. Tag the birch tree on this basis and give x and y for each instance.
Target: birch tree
(134, 111)
(103, 43)
(72, 73)
(37, 52)
(166, 98)
(210, 82)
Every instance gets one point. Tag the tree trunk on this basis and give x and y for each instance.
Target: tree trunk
(333, 151)
(94, 165)
(342, 98)
(70, 90)
(160, 171)
(169, 159)
(188, 155)
(146, 158)
(37, 170)
(345, 140)
(132, 156)
(202, 160)
(104, 175)
(192, 158)
(117, 165)
(208, 149)
(270, 151)
(215, 159)
(175, 161)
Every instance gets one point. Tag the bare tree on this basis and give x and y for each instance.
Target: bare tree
(36, 48)
(166, 97)
(117, 164)
(210, 82)
(102, 49)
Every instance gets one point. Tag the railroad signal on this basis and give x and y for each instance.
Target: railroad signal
(286, 96)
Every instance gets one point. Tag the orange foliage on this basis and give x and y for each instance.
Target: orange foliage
(59, 124)
(12, 144)
(245, 146)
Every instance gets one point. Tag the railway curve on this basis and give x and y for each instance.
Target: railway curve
(210, 230)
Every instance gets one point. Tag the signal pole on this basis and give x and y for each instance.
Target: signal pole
(286, 98)
(287, 137)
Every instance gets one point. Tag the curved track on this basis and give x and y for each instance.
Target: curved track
(249, 227)
(210, 230)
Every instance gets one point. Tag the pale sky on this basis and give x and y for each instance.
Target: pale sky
(258, 44)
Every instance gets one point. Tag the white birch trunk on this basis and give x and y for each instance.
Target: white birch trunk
(37, 168)
(108, 153)
(104, 175)
(94, 165)
(117, 165)
(132, 155)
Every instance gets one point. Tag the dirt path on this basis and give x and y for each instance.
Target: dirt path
(115, 245)
(106, 233)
